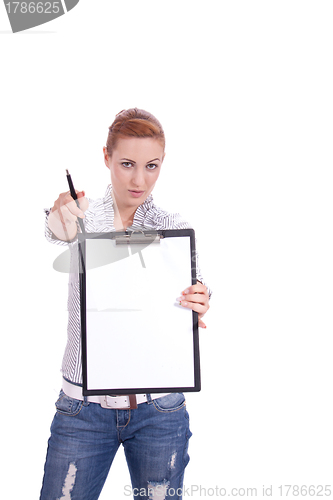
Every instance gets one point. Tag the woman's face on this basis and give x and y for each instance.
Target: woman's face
(135, 165)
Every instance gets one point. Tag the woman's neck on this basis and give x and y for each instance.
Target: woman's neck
(122, 222)
(123, 216)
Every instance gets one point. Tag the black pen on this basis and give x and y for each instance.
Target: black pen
(73, 195)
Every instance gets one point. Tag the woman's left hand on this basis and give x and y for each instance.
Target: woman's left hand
(196, 298)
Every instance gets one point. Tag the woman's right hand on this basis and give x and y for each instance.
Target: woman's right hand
(64, 214)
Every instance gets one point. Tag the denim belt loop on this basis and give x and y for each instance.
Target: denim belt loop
(85, 401)
(149, 400)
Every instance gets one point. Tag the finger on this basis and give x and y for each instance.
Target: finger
(197, 297)
(66, 216)
(202, 324)
(198, 288)
(74, 209)
(66, 199)
(83, 202)
(196, 307)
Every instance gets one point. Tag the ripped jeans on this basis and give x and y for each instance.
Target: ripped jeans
(85, 438)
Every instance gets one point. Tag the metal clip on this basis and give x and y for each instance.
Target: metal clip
(138, 237)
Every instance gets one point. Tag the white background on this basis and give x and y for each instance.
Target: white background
(244, 92)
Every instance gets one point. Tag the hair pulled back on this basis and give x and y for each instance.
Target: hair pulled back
(134, 122)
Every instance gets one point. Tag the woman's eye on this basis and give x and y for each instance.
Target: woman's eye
(126, 164)
(151, 166)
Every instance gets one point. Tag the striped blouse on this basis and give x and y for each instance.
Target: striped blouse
(99, 218)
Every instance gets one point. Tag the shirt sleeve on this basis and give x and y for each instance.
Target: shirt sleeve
(200, 277)
(51, 238)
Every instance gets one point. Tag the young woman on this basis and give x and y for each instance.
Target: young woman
(84, 435)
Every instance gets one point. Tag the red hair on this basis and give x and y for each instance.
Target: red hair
(134, 123)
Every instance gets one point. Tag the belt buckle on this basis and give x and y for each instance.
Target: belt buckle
(132, 403)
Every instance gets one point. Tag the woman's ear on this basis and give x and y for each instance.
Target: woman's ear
(106, 157)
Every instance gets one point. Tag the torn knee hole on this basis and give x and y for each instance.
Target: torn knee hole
(69, 482)
(157, 490)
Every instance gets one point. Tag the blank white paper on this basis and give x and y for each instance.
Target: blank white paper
(137, 334)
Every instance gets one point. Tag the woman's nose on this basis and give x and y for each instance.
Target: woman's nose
(138, 178)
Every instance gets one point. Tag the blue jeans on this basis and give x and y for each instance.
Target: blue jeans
(85, 438)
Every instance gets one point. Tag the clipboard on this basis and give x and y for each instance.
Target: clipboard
(136, 338)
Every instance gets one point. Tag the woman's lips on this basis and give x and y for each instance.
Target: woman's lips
(136, 194)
